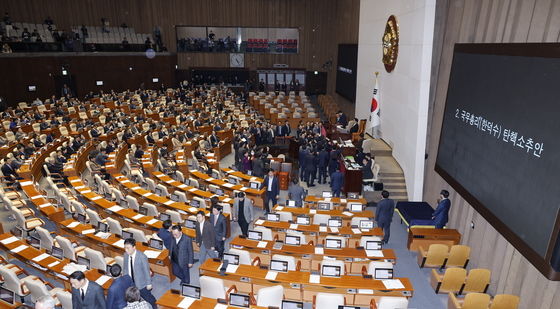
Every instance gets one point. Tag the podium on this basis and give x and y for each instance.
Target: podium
(284, 180)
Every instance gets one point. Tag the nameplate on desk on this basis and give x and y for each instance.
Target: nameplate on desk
(73, 224)
(169, 203)
(319, 251)
(37, 196)
(147, 194)
(343, 200)
(192, 189)
(152, 221)
(26, 183)
(365, 291)
(279, 208)
(322, 229)
(228, 185)
(348, 214)
(356, 231)
(374, 253)
(262, 244)
(259, 222)
(271, 275)
(19, 248)
(169, 181)
(95, 198)
(85, 191)
(9, 240)
(210, 179)
(334, 229)
(135, 188)
(393, 284)
(88, 231)
(53, 264)
(45, 205)
(293, 226)
(186, 302)
(125, 181)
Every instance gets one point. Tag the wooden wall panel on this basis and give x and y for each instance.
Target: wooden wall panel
(322, 24)
(470, 21)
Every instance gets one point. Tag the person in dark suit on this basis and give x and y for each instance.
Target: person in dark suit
(341, 119)
(337, 181)
(219, 222)
(441, 214)
(115, 294)
(136, 265)
(301, 158)
(243, 212)
(286, 128)
(272, 191)
(164, 233)
(86, 294)
(323, 163)
(205, 237)
(367, 173)
(311, 168)
(355, 127)
(181, 254)
(9, 172)
(214, 139)
(384, 214)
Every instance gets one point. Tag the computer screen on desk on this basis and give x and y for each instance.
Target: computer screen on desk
(337, 222)
(195, 203)
(233, 181)
(215, 175)
(278, 265)
(373, 245)
(331, 271)
(356, 207)
(102, 227)
(293, 240)
(304, 220)
(324, 206)
(333, 243)
(35, 242)
(219, 191)
(81, 218)
(190, 224)
(156, 244)
(254, 235)
(7, 295)
(383, 273)
(239, 300)
(57, 252)
(84, 261)
(366, 224)
(127, 235)
(163, 216)
(143, 210)
(353, 195)
(273, 217)
(233, 259)
(288, 304)
(190, 291)
(327, 194)
(18, 232)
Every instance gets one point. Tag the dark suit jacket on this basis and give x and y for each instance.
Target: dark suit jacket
(342, 120)
(166, 236)
(219, 227)
(275, 186)
(7, 170)
(337, 180)
(441, 214)
(184, 249)
(115, 294)
(93, 299)
(366, 171)
(207, 237)
(384, 211)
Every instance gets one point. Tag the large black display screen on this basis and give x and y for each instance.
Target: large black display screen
(500, 139)
(346, 67)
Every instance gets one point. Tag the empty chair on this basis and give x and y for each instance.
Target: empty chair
(451, 281)
(365, 239)
(244, 256)
(161, 190)
(434, 257)
(174, 216)
(321, 219)
(458, 256)
(333, 263)
(301, 235)
(214, 288)
(180, 176)
(151, 184)
(471, 301)
(285, 216)
(114, 226)
(94, 217)
(78, 207)
(68, 249)
(266, 232)
(201, 202)
(26, 224)
(137, 234)
(38, 288)
(477, 281)
(505, 301)
(292, 265)
(151, 209)
(46, 238)
(179, 196)
(97, 260)
(328, 301)
(194, 183)
(356, 221)
(65, 299)
(119, 198)
(373, 265)
(12, 282)
(132, 202)
(390, 302)
(270, 297)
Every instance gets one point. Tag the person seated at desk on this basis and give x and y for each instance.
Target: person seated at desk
(9, 171)
(341, 119)
(214, 139)
(139, 153)
(101, 158)
(355, 127)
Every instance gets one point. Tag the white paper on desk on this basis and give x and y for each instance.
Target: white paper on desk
(53, 264)
(221, 306)
(45, 205)
(135, 188)
(279, 208)
(103, 235)
(138, 216)
(89, 231)
(25, 183)
(95, 198)
(186, 302)
(365, 291)
(152, 221)
(119, 243)
(343, 200)
(151, 254)
(73, 224)
(243, 189)
(115, 208)
(314, 279)
(85, 191)
(347, 213)
(393, 284)
(319, 250)
(193, 209)
(262, 244)
(75, 180)
(36, 197)
(227, 200)
(374, 253)
(102, 280)
(230, 171)
(322, 229)
(169, 202)
(271, 275)
(228, 185)
(356, 231)
(19, 248)
(9, 240)
(210, 179)
(312, 211)
(79, 187)
(182, 186)
(41, 257)
(334, 229)
(293, 226)
(192, 189)
(232, 269)
(259, 222)
(170, 181)
(147, 194)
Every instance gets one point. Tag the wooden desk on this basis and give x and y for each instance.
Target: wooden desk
(345, 215)
(356, 289)
(170, 300)
(255, 194)
(353, 178)
(426, 236)
(53, 212)
(310, 259)
(335, 200)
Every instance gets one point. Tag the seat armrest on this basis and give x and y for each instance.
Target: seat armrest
(232, 288)
(256, 261)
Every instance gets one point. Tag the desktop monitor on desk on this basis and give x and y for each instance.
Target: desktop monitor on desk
(254, 235)
(190, 224)
(18, 232)
(277, 265)
(219, 191)
(293, 240)
(127, 235)
(233, 259)
(156, 244)
(336, 222)
(190, 291)
(232, 181)
(195, 203)
(274, 217)
(288, 304)
(57, 252)
(366, 224)
(373, 245)
(331, 271)
(7, 296)
(215, 175)
(143, 210)
(291, 203)
(324, 206)
(303, 220)
(383, 273)
(239, 300)
(81, 218)
(333, 243)
(102, 227)
(163, 216)
(84, 261)
(34, 241)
